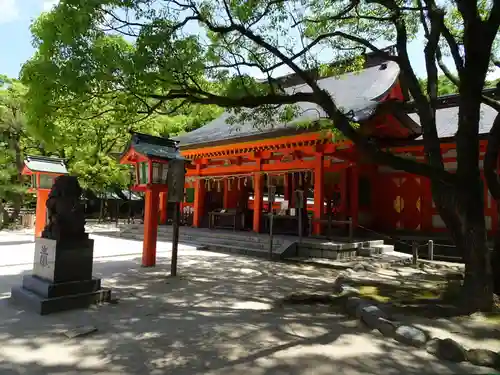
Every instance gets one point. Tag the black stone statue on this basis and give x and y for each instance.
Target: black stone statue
(62, 267)
(66, 220)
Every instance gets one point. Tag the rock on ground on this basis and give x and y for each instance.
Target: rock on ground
(447, 349)
(410, 335)
(484, 357)
(370, 315)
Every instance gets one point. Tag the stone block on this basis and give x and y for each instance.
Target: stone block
(365, 251)
(46, 289)
(61, 262)
(43, 306)
(330, 254)
(316, 253)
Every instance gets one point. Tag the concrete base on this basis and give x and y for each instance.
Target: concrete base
(43, 297)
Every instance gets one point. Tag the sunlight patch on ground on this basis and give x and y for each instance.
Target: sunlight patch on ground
(251, 305)
(47, 353)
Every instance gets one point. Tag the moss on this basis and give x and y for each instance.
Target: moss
(493, 318)
(398, 294)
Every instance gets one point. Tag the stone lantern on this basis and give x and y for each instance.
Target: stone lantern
(42, 171)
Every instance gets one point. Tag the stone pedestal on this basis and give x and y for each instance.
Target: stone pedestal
(61, 279)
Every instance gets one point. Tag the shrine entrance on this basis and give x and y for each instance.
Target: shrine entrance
(339, 203)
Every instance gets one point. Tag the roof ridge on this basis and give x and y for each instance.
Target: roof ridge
(451, 100)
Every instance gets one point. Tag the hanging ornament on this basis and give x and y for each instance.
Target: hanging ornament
(218, 186)
(229, 182)
(239, 187)
(245, 182)
(209, 185)
(253, 183)
(305, 177)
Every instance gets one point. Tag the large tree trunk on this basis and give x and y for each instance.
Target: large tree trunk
(478, 285)
(462, 210)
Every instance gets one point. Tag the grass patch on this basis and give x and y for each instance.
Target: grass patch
(493, 318)
(413, 297)
(398, 295)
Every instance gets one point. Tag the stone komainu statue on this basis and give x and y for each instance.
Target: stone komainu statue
(66, 221)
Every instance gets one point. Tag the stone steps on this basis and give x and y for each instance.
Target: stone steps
(311, 248)
(219, 241)
(254, 244)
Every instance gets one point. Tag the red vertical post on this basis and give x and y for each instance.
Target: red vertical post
(150, 228)
(286, 186)
(293, 180)
(41, 211)
(343, 193)
(258, 195)
(354, 196)
(163, 207)
(226, 196)
(318, 192)
(199, 202)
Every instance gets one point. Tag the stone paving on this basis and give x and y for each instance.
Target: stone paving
(217, 317)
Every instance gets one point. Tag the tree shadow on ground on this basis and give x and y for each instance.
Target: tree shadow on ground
(216, 318)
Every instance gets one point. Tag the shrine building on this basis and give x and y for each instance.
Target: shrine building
(232, 167)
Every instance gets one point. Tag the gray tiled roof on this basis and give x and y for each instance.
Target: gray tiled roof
(358, 92)
(45, 164)
(151, 146)
(447, 120)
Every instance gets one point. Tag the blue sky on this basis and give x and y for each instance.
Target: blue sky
(15, 38)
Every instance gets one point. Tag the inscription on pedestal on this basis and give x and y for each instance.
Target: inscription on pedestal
(45, 258)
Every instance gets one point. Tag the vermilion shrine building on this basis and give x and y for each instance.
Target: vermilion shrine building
(232, 166)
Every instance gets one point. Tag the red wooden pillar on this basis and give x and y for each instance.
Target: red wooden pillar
(199, 202)
(287, 186)
(150, 228)
(41, 211)
(354, 196)
(163, 207)
(293, 180)
(258, 195)
(319, 179)
(343, 193)
(226, 197)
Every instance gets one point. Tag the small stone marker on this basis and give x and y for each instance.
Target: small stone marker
(80, 331)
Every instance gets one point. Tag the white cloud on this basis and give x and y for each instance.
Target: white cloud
(48, 5)
(8, 11)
